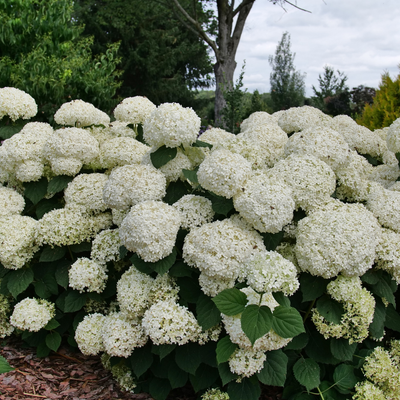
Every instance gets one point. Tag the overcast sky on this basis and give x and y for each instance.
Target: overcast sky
(359, 37)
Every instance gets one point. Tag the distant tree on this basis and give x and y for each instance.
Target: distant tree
(360, 96)
(386, 105)
(287, 84)
(257, 103)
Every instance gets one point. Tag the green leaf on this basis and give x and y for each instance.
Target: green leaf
(272, 240)
(384, 288)
(256, 321)
(5, 366)
(377, 327)
(225, 348)
(53, 340)
(230, 301)
(159, 388)
(281, 299)
(221, 205)
(52, 324)
(205, 377)
(52, 254)
(287, 322)
(188, 357)
(190, 175)
(163, 350)
(61, 274)
(342, 349)
(177, 378)
(141, 360)
(248, 389)
(307, 373)
(298, 342)
(392, 319)
(318, 348)
(344, 378)
(83, 247)
(123, 251)
(10, 130)
(199, 143)
(19, 280)
(35, 191)
(58, 183)
(141, 265)
(208, 314)
(46, 205)
(397, 156)
(163, 155)
(312, 287)
(42, 350)
(226, 374)
(74, 301)
(330, 309)
(161, 266)
(370, 277)
(189, 289)
(181, 269)
(275, 369)
(176, 190)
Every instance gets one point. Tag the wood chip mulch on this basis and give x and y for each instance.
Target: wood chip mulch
(70, 375)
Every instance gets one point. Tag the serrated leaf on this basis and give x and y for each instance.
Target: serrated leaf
(370, 277)
(188, 357)
(225, 373)
(42, 350)
(53, 340)
(161, 266)
(383, 288)
(181, 269)
(177, 378)
(61, 274)
(281, 299)
(372, 160)
(272, 240)
(318, 347)
(74, 301)
(199, 143)
(312, 287)
(205, 377)
(248, 389)
(230, 301)
(275, 369)
(176, 190)
(140, 265)
(377, 327)
(141, 360)
(52, 324)
(59, 183)
(392, 318)
(19, 280)
(52, 254)
(225, 348)
(287, 322)
(298, 342)
(163, 350)
(256, 321)
(344, 378)
(342, 349)
(221, 205)
(163, 155)
(307, 373)
(46, 205)
(208, 314)
(330, 309)
(10, 130)
(190, 175)
(35, 191)
(5, 366)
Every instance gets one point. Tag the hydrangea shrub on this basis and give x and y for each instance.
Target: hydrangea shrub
(221, 261)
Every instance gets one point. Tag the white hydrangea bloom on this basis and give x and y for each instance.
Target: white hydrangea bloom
(150, 230)
(32, 314)
(6, 329)
(232, 324)
(366, 390)
(132, 184)
(256, 118)
(166, 322)
(268, 271)
(164, 287)
(393, 136)
(216, 136)
(385, 175)
(16, 104)
(68, 149)
(322, 142)
(212, 285)
(359, 307)
(388, 253)
(118, 216)
(195, 211)
(121, 129)
(11, 202)
(218, 248)
(121, 335)
(246, 362)
(134, 110)
(18, 240)
(71, 225)
(87, 190)
(121, 151)
(215, 394)
(88, 334)
(296, 119)
(105, 246)
(223, 173)
(338, 239)
(86, 275)
(171, 125)
(133, 292)
(79, 113)
(265, 203)
(311, 180)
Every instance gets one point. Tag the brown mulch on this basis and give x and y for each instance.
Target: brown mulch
(70, 375)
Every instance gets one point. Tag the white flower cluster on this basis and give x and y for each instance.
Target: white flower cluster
(393, 136)
(88, 334)
(11, 202)
(87, 275)
(79, 114)
(16, 104)
(255, 119)
(6, 329)
(246, 362)
(171, 125)
(32, 314)
(134, 110)
(215, 394)
(388, 253)
(105, 246)
(359, 308)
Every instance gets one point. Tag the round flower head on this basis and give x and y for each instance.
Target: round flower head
(105, 246)
(195, 211)
(268, 271)
(167, 322)
(218, 248)
(78, 113)
(257, 118)
(246, 362)
(132, 184)
(393, 136)
(212, 285)
(32, 314)
(69, 148)
(223, 173)
(18, 240)
(134, 110)
(121, 335)
(133, 292)
(265, 203)
(388, 254)
(296, 119)
(216, 135)
(270, 341)
(337, 240)
(87, 275)
(88, 334)
(171, 125)
(16, 104)
(321, 142)
(11, 202)
(214, 394)
(87, 190)
(311, 180)
(150, 230)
